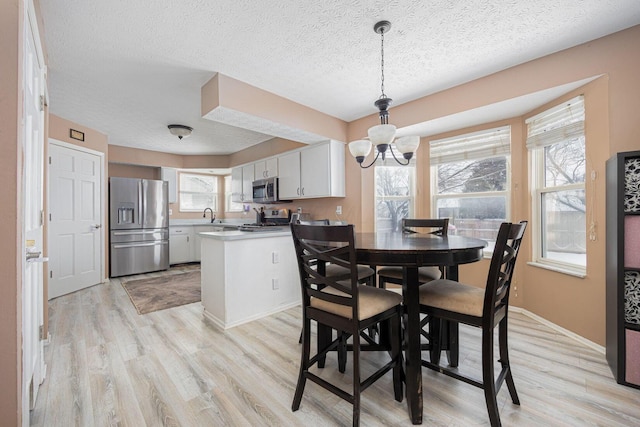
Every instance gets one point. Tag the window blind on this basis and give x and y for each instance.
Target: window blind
(557, 124)
(471, 146)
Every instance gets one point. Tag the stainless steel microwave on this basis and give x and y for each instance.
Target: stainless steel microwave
(265, 190)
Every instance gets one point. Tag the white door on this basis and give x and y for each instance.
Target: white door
(75, 225)
(33, 368)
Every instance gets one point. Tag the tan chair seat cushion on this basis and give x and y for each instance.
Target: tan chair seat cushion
(425, 274)
(371, 301)
(335, 270)
(452, 296)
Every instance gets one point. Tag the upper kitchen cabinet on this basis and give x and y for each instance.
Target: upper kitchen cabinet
(241, 183)
(267, 168)
(313, 171)
(171, 176)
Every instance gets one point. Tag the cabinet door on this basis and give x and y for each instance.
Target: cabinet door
(266, 168)
(247, 183)
(171, 176)
(315, 171)
(236, 185)
(289, 175)
(180, 245)
(271, 167)
(197, 240)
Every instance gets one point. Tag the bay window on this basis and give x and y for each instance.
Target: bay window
(470, 177)
(556, 145)
(197, 192)
(395, 192)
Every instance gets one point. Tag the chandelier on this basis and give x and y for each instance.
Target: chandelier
(383, 135)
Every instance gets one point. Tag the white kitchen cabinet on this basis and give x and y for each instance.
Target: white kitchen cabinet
(171, 176)
(197, 239)
(181, 244)
(247, 183)
(267, 168)
(241, 183)
(311, 172)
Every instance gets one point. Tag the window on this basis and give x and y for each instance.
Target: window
(470, 180)
(229, 205)
(556, 144)
(395, 192)
(198, 192)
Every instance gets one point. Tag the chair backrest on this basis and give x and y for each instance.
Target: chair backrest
(318, 245)
(503, 262)
(440, 226)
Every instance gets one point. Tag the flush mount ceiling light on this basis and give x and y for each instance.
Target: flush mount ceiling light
(181, 131)
(382, 135)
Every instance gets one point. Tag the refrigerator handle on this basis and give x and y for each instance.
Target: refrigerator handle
(140, 201)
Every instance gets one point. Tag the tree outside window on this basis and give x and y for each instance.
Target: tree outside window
(395, 194)
(557, 146)
(470, 176)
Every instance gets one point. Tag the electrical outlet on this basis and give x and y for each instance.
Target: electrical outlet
(338, 210)
(274, 284)
(275, 257)
(170, 212)
(299, 210)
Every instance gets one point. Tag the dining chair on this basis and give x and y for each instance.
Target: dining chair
(438, 227)
(341, 303)
(482, 308)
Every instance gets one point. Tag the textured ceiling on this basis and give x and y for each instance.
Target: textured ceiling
(129, 68)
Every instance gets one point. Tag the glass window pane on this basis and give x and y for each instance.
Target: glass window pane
(198, 183)
(564, 163)
(230, 206)
(473, 176)
(478, 217)
(394, 196)
(564, 226)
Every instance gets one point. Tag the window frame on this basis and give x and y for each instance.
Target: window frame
(506, 193)
(180, 192)
(228, 203)
(390, 162)
(538, 188)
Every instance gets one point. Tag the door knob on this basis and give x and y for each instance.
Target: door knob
(96, 226)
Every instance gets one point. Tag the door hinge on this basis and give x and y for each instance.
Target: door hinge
(41, 102)
(49, 159)
(49, 217)
(41, 217)
(41, 332)
(50, 274)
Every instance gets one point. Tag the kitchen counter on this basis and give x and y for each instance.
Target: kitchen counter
(244, 235)
(247, 275)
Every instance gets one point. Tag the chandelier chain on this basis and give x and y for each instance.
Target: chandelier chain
(382, 65)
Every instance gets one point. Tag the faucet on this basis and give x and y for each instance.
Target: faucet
(204, 215)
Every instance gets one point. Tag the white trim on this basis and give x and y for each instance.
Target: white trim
(559, 269)
(560, 329)
(227, 325)
(103, 199)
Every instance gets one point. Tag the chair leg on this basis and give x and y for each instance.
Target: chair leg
(396, 354)
(488, 380)
(504, 360)
(356, 378)
(434, 339)
(342, 353)
(304, 364)
(453, 352)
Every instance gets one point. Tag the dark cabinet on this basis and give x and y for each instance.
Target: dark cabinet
(623, 267)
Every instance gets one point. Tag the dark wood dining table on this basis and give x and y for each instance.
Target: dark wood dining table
(410, 251)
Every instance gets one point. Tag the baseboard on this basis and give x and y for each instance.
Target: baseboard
(560, 329)
(227, 325)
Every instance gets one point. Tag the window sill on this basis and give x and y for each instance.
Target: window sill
(576, 273)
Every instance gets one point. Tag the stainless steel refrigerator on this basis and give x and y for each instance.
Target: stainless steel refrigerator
(139, 225)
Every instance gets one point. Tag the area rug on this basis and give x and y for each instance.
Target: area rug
(167, 291)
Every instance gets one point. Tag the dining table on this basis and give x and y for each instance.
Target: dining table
(411, 251)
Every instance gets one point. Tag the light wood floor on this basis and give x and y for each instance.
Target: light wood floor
(107, 365)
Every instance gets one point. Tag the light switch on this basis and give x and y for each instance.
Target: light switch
(275, 257)
(274, 284)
